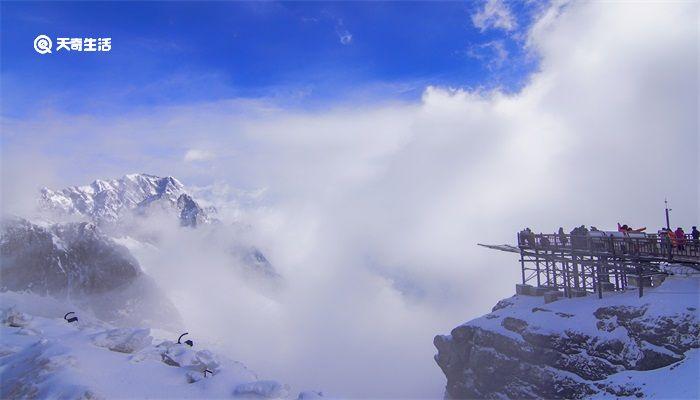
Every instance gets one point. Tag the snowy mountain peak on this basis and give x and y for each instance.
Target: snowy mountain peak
(106, 201)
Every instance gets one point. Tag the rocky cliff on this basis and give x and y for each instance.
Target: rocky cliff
(62, 259)
(619, 346)
(78, 263)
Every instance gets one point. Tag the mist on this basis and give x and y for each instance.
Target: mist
(371, 212)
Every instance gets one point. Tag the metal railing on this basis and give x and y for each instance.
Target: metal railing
(599, 243)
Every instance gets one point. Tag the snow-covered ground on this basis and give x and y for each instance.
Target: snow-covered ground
(676, 295)
(677, 381)
(621, 345)
(44, 356)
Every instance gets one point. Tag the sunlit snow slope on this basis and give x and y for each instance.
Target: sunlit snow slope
(44, 356)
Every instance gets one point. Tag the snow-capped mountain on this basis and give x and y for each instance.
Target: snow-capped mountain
(92, 268)
(618, 346)
(107, 201)
(113, 205)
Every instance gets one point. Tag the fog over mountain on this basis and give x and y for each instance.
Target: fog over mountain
(369, 212)
(76, 262)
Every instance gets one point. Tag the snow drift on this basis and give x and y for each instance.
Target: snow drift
(42, 356)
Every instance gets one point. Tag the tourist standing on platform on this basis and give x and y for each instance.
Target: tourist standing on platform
(562, 236)
(530, 237)
(665, 240)
(671, 237)
(527, 237)
(696, 236)
(652, 239)
(680, 239)
(579, 237)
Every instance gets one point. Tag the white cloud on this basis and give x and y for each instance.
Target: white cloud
(344, 35)
(494, 15)
(192, 155)
(374, 211)
(492, 54)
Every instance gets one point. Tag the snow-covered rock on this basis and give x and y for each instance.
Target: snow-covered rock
(124, 340)
(619, 346)
(262, 390)
(108, 201)
(182, 355)
(12, 317)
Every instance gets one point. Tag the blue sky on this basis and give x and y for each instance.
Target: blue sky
(308, 54)
(355, 158)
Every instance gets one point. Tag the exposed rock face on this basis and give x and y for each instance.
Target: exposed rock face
(63, 259)
(76, 262)
(572, 348)
(191, 214)
(106, 202)
(254, 262)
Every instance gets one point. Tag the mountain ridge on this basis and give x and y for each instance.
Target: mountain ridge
(108, 201)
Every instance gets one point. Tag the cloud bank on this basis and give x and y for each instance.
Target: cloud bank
(372, 212)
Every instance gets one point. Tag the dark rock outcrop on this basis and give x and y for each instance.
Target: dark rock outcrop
(521, 351)
(191, 214)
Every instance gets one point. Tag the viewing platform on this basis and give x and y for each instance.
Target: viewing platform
(638, 246)
(570, 265)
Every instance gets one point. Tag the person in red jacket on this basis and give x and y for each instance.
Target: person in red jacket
(680, 239)
(671, 237)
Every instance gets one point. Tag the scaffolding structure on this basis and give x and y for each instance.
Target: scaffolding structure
(597, 262)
